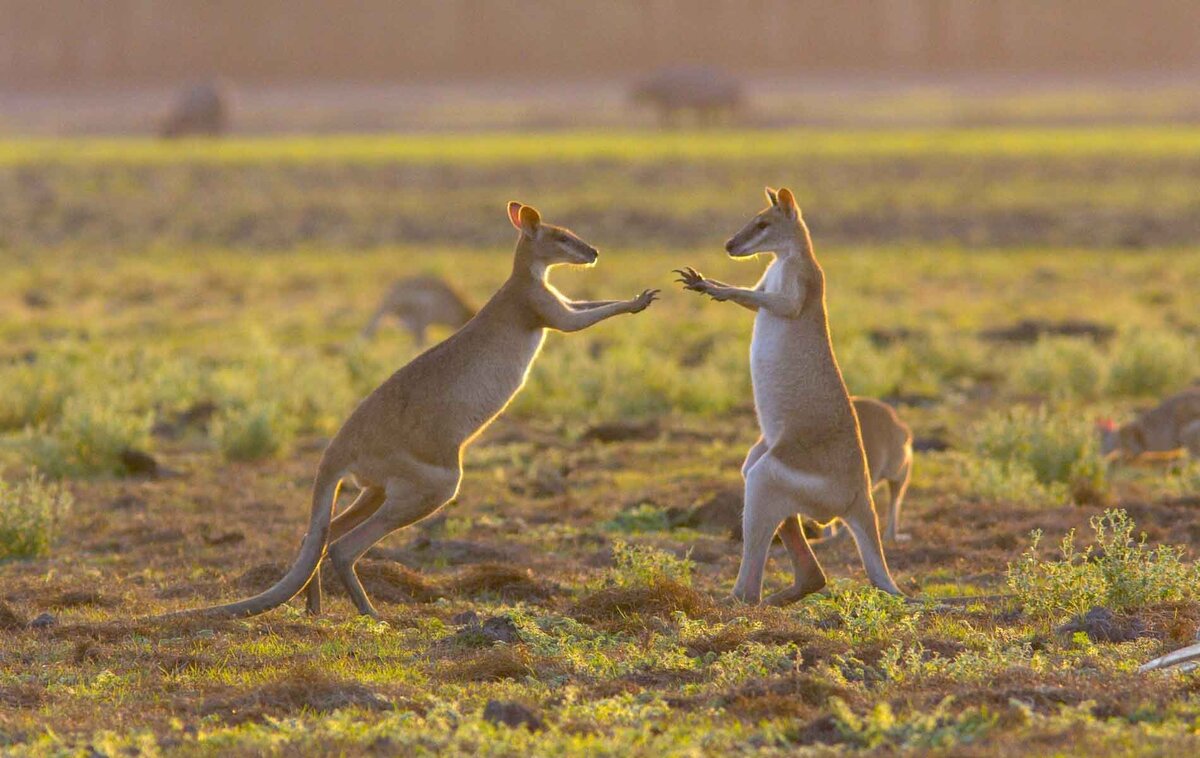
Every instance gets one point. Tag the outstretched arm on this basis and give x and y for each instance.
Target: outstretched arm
(587, 305)
(564, 316)
(782, 304)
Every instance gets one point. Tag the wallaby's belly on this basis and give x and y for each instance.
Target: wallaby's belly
(798, 391)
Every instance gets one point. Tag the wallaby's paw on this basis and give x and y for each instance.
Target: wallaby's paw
(690, 278)
(642, 301)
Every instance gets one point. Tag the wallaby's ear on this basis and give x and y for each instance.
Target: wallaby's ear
(787, 201)
(530, 220)
(771, 196)
(514, 213)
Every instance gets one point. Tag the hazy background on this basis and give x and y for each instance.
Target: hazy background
(68, 67)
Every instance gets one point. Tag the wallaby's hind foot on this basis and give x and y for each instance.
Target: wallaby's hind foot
(809, 577)
(860, 518)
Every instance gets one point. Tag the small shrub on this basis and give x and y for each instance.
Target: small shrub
(1118, 573)
(869, 614)
(30, 514)
(1058, 449)
(88, 440)
(644, 566)
(1152, 363)
(645, 517)
(1008, 481)
(252, 432)
(34, 393)
(936, 728)
(1059, 368)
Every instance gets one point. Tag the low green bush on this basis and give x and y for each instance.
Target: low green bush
(1119, 572)
(30, 514)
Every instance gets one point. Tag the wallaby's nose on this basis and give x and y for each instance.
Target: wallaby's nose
(595, 254)
(729, 245)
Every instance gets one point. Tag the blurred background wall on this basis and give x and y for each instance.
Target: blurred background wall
(94, 42)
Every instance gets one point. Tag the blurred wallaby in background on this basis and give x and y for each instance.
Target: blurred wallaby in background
(201, 110)
(419, 302)
(710, 94)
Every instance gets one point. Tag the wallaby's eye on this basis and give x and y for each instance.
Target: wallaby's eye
(762, 224)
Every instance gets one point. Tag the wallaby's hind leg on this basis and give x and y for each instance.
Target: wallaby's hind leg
(756, 451)
(896, 489)
(765, 509)
(861, 520)
(367, 502)
(809, 576)
(407, 501)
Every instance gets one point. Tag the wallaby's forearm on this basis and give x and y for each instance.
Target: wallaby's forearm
(775, 303)
(565, 319)
(587, 305)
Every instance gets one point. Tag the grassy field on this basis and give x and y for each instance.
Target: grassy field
(200, 304)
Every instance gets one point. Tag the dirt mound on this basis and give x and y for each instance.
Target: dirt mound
(502, 580)
(303, 689)
(719, 513)
(622, 431)
(22, 696)
(259, 577)
(513, 715)
(9, 619)
(424, 551)
(385, 581)
(492, 664)
(1027, 331)
(78, 598)
(623, 606)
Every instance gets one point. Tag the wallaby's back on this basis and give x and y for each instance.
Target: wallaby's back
(887, 440)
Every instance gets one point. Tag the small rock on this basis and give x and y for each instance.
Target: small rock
(466, 618)
(513, 715)
(1102, 625)
(44, 621)
(501, 629)
(138, 462)
(929, 445)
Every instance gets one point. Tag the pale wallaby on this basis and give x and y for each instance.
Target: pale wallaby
(887, 442)
(404, 443)
(1170, 426)
(419, 302)
(810, 459)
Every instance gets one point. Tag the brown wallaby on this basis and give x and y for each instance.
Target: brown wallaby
(1173, 424)
(420, 302)
(404, 443)
(810, 458)
(887, 442)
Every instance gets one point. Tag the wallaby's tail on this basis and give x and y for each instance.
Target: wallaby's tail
(325, 491)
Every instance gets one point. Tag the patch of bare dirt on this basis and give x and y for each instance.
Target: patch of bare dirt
(10, 620)
(623, 607)
(492, 664)
(502, 580)
(302, 689)
(386, 582)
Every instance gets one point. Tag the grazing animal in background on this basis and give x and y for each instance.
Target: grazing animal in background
(887, 442)
(810, 458)
(420, 302)
(201, 110)
(404, 443)
(709, 93)
(1172, 425)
